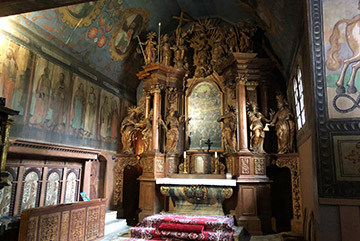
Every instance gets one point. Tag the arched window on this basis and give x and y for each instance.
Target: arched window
(299, 99)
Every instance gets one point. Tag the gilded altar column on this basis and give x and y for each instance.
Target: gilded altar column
(147, 105)
(156, 115)
(243, 133)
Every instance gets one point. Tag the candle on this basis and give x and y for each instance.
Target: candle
(184, 154)
(216, 154)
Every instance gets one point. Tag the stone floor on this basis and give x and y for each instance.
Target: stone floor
(117, 230)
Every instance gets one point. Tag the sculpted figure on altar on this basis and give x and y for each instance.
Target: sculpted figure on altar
(128, 130)
(145, 125)
(228, 133)
(256, 119)
(150, 49)
(165, 50)
(284, 125)
(172, 131)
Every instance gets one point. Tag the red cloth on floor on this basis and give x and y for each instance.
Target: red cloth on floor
(181, 227)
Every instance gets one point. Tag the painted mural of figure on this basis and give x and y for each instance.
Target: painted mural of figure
(8, 75)
(42, 98)
(284, 125)
(78, 113)
(129, 30)
(114, 119)
(90, 115)
(58, 103)
(104, 118)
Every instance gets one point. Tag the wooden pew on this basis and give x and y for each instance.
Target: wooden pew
(75, 221)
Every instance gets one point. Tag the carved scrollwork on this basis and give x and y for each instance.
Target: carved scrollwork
(259, 166)
(226, 192)
(165, 190)
(293, 165)
(195, 193)
(245, 166)
(122, 162)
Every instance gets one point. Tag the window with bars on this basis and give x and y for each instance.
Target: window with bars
(299, 99)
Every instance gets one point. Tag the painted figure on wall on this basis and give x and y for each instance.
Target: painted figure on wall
(58, 102)
(104, 117)
(130, 29)
(8, 75)
(284, 125)
(42, 98)
(90, 115)
(114, 118)
(78, 113)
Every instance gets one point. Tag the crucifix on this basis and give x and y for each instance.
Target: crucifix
(178, 29)
(208, 143)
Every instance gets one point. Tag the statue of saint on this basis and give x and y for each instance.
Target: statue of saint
(128, 131)
(150, 49)
(172, 131)
(257, 128)
(284, 125)
(165, 50)
(228, 133)
(145, 126)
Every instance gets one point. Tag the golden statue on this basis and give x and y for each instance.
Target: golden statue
(257, 135)
(145, 125)
(165, 50)
(128, 130)
(228, 133)
(150, 49)
(172, 131)
(284, 125)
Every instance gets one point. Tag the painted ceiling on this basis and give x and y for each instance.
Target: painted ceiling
(102, 34)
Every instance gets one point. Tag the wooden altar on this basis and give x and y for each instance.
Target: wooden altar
(208, 95)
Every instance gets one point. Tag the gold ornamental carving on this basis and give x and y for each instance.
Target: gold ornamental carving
(293, 165)
(32, 228)
(122, 162)
(245, 166)
(159, 165)
(259, 166)
(226, 192)
(195, 193)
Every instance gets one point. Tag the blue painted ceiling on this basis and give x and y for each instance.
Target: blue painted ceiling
(88, 35)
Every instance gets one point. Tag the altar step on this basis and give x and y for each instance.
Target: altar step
(114, 228)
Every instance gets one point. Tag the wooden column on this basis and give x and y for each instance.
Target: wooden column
(243, 133)
(147, 105)
(156, 115)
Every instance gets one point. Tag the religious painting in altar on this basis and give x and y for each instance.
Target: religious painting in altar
(204, 107)
(342, 58)
(15, 68)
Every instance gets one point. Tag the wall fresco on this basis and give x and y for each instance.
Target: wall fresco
(56, 105)
(342, 60)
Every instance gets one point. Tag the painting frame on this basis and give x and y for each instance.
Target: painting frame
(113, 43)
(326, 128)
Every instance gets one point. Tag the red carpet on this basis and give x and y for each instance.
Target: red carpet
(184, 227)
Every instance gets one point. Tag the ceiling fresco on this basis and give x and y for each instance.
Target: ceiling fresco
(103, 34)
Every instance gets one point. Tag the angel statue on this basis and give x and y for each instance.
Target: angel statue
(228, 133)
(172, 131)
(257, 135)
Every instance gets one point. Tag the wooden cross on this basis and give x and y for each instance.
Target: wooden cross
(178, 29)
(208, 143)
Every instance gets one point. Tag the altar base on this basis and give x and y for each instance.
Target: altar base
(197, 196)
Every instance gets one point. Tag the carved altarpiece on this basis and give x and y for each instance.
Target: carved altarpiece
(208, 61)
